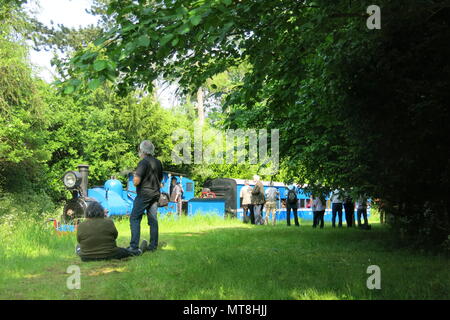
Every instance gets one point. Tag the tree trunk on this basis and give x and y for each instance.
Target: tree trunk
(200, 106)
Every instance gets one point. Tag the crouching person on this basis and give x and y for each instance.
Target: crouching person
(97, 237)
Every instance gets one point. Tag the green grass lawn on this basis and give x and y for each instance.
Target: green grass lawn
(212, 258)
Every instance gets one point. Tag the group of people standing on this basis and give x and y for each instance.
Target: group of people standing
(254, 199)
(340, 200)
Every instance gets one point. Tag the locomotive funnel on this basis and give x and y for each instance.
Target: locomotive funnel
(84, 170)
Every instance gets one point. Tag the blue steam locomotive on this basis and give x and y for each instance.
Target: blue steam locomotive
(112, 195)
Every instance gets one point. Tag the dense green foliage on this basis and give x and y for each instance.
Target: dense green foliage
(44, 133)
(22, 110)
(365, 110)
(358, 109)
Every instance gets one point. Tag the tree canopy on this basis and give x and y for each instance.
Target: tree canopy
(359, 109)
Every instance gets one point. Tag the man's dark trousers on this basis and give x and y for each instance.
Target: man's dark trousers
(139, 206)
(320, 219)
(336, 208)
(362, 212)
(251, 207)
(288, 215)
(349, 213)
(314, 219)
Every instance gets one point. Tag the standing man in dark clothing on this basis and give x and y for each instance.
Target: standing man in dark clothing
(291, 204)
(336, 207)
(147, 179)
(349, 207)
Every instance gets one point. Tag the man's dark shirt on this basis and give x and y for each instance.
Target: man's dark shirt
(150, 171)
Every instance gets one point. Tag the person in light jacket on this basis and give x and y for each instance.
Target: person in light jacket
(258, 200)
(246, 202)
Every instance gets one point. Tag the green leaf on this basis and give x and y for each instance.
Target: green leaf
(75, 82)
(88, 56)
(184, 29)
(195, 20)
(99, 41)
(143, 41)
(111, 76)
(99, 65)
(175, 42)
(123, 55)
(128, 27)
(166, 39)
(69, 89)
(94, 84)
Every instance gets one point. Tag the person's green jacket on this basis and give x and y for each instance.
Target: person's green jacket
(97, 238)
(258, 193)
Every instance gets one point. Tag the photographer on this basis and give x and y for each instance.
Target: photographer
(148, 177)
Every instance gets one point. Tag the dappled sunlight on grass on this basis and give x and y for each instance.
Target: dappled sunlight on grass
(107, 270)
(313, 294)
(169, 247)
(214, 258)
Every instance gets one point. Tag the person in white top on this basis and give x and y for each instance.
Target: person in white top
(246, 202)
(336, 207)
(318, 209)
(176, 194)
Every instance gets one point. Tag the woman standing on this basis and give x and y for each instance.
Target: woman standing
(318, 208)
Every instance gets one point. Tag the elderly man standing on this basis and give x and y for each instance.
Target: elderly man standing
(147, 179)
(258, 199)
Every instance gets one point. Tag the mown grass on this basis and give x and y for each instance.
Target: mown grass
(212, 258)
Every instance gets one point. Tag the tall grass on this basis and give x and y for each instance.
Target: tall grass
(213, 258)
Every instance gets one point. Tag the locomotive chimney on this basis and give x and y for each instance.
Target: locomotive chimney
(84, 170)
